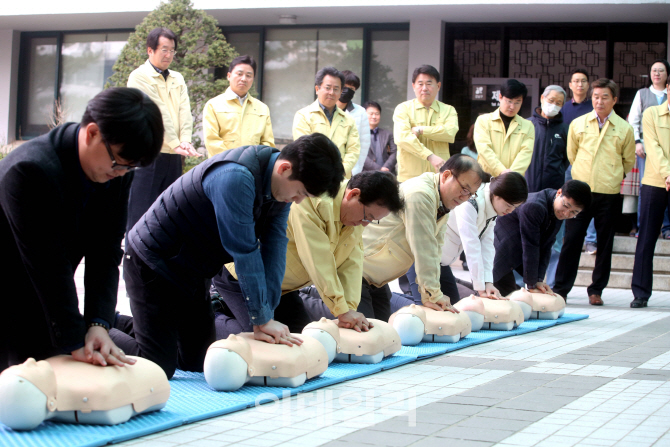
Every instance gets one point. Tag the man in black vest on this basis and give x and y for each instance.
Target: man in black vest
(64, 196)
(523, 238)
(230, 208)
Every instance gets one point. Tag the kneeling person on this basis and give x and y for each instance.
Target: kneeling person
(232, 207)
(416, 237)
(523, 238)
(324, 249)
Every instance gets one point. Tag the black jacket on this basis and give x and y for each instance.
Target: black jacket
(550, 156)
(525, 236)
(178, 236)
(50, 218)
(388, 160)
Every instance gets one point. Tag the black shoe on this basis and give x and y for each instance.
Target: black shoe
(638, 302)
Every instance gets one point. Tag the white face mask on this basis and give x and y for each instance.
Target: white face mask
(550, 110)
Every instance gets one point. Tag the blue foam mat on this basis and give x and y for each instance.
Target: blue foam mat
(192, 400)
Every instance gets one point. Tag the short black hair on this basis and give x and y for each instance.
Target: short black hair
(379, 188)
(155, 35)
(606, 83)
(374, 104)
(511, 187)
(244, 59)
(578, 191)
(513, 89)
(580, 71)
(351, 79)
(128, 117)
(316, 162)
(328, 71)
(460, 164)
(427, 70)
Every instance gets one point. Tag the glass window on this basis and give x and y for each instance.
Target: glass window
(87, 61)
(292, 58)
(388, 72)
(247, 43)
(41, 82)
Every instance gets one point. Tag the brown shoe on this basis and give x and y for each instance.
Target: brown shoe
(595, 300)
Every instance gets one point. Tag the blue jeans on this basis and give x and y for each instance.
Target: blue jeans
(555, 254)
(591, 231)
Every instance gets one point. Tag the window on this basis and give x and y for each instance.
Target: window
(64, 68)
(388, 72)
(292, 58)
(87, 61)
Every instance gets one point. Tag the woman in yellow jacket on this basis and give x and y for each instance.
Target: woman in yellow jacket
(503, 139)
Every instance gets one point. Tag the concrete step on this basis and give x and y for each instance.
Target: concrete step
(622, 280)
(625, 262)
(626, 245)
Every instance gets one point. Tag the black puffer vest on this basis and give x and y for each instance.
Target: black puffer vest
(178, 237)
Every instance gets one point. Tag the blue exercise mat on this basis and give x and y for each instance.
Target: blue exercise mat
(192, 400)
(425, 350)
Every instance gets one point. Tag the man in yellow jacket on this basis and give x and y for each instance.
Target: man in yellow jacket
(503, 139)
(601, 149)
(416, 236)
(168, 90)
(423, 127)
(234, 118)
(654, 198)
(324, 117)
(325, 249)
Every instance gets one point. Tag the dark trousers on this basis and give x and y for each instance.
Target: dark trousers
(171, 327)
(25, 330)
(234, 318)
(653, 202)
(149, 183)
(375, 302)
(447, 284)
(605, 210)
(507, 284)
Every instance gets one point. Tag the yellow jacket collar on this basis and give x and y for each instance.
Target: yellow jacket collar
(435, 106)
(151, 71)
(337, 201)
(230, 95)
(316, 107)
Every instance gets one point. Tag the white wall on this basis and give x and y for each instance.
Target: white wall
(9, 69)
(426, 46)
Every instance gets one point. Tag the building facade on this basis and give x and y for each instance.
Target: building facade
(49, 55)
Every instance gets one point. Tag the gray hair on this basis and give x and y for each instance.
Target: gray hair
(555, 88)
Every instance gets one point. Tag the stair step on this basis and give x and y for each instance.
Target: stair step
(625, 262)
(626, 245)
(622, 280)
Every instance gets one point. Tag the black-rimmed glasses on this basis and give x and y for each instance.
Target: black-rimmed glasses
(118, 166)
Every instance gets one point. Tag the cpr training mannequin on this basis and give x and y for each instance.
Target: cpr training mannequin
(241, 359)
(539, 306)
(350, 346)
(418, 323)
(66, 390)
(496, 315)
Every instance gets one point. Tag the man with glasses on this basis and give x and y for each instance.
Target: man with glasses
(412, 242)
(325, 251)
(325, 117)
(601, 149)
(233, 207)
(503, 139)
(168, 90)
(523, 238)
(75, 178)
(423, 127)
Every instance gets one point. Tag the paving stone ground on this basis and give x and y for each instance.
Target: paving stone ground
(603, 381)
